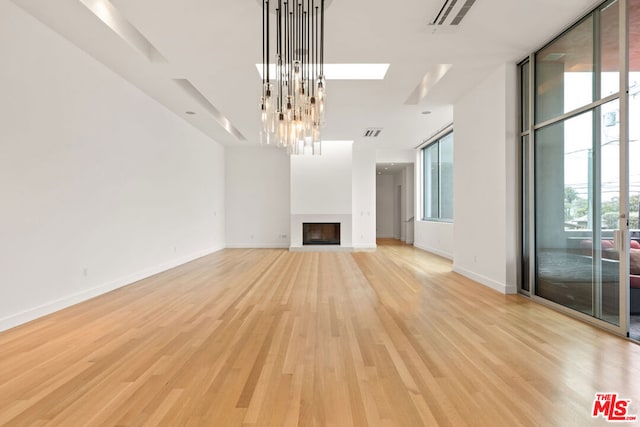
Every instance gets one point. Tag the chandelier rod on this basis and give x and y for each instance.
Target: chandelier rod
(312, 52)
(298, 29)
(263, 50)
(315, 52)
(322, 39)
(313, 48)
(279, 54)
(310, 44)
(306, 44)
(286, 43)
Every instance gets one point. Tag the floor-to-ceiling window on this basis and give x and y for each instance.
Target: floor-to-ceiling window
(575, 177)
(437, 167)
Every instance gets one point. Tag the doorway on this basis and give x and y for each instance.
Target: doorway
(395, 201)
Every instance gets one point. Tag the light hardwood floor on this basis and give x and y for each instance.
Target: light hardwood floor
(269, 337)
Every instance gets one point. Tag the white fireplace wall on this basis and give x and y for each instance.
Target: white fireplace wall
(322, 184)
(321, 190)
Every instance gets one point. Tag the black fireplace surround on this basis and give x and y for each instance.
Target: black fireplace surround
(321, 233)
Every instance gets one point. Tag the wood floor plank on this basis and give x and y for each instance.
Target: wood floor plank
(270, 337)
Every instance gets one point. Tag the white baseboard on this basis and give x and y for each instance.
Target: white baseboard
(434, 251)
(69, 300)
(258, 245)
(490, 283)
(365, 247)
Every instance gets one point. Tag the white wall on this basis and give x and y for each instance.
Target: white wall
(385, 202)
(101, 186)
(484, 208)
(322, 184)
(395, 156)
(434, 237)
(512, 169)
(364, 198)
(257, 197)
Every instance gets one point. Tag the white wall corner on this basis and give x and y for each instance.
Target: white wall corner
(364, 247)
(512, 206)
(484, 135)
(435, 251)
(503, 288)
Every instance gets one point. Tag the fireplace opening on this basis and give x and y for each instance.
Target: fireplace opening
(320, 233)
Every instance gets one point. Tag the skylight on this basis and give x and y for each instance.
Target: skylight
(347, 71)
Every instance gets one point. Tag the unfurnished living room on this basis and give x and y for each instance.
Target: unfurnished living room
(319, 212)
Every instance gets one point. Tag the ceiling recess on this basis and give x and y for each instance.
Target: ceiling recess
(113, 18)
(452, 12)
(196, 95)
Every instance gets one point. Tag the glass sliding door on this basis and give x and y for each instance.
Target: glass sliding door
(608, 278)
(564, 218)
(574, 164)
(577, 210)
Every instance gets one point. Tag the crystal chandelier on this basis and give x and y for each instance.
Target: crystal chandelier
(292, 102)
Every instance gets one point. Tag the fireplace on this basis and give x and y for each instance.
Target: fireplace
(321, 233)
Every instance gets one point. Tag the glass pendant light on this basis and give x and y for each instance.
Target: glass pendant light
(292, 103)
(282, 130)
(321, 92)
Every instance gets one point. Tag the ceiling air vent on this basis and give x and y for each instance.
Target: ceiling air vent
(372, 132)
(452, 12)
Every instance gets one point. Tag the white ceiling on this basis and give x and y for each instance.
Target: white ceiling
(215, 45)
